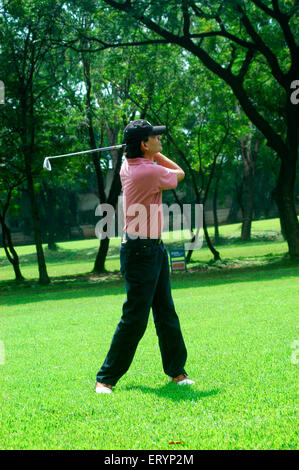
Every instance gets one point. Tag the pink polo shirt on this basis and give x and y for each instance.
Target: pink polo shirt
(142, 182)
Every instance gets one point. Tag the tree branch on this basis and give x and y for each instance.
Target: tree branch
(274, 139)
(105, 45)
(264, 49)
(283, 20)
(264, 7)
(214, 163)
(225, 34)
(186, 28)
(246, 64)
(233, 56)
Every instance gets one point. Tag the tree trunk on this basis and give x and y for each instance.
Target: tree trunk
(43, 275)
(248, 213)
(236, 204)
(215, 253)
(11, 253)
(114, 192)
(248, 205)
(99, 265)
(28, 139)
(189, 222)
(216, 223)
(215, 199)
(48, 200)
(284, 198)
(248, 187)
(51, 219)
(284, 191)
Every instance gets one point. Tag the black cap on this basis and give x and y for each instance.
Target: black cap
(141, 128)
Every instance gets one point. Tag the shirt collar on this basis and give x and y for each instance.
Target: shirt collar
(138, 161)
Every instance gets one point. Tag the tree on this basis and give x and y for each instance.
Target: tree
(25, 29)
(11, 179)
(8, 193)
(166, 94)
(33, 69)
(251, 46)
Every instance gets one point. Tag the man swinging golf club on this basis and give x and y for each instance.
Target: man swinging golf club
(144, 260)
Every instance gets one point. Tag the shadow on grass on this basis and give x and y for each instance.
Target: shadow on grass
(91, 286)
(175, 392)
(61, 254)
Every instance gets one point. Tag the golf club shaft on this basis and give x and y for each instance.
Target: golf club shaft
(114, 147)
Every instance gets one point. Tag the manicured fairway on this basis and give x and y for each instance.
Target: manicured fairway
(77, 257)
(239, 328)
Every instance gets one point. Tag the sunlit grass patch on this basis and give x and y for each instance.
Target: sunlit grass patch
(238, 328)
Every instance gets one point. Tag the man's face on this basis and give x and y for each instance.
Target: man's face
(153, 144)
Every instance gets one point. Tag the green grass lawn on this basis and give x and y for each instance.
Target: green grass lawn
(77, 257)
(238, 324)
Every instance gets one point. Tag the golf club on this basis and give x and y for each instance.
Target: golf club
(47, 163)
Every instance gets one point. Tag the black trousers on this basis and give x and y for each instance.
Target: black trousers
(144, 265)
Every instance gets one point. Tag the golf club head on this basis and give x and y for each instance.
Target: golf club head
(47, 164)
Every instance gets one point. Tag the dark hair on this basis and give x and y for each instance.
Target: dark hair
(133, 149)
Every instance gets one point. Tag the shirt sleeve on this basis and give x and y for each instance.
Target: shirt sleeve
(166, 178)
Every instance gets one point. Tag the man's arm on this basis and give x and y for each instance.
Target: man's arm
(167, 163)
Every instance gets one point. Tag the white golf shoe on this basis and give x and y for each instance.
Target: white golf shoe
(103, 388)
(181, 379)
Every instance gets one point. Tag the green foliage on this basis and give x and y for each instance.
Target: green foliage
(164, 83)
